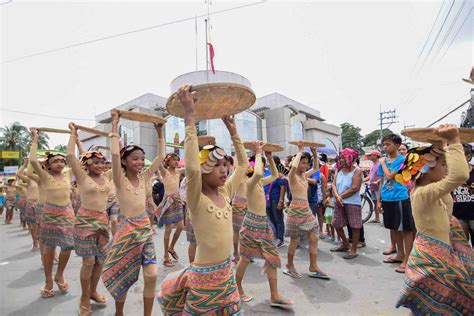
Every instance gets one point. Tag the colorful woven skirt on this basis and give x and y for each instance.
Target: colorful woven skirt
(239, 208)
(201, 289)
(30, 211)
(21, 204)
(150, 206)
(10, 205)
(257, 240)
(439, 278)
(39, 213)
(190, 237)
(91, 233)
(170, 210)
(131, 247)
(300, 220)
(112, 206)
(57, 226)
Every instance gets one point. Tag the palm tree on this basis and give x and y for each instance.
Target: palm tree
(17, 137)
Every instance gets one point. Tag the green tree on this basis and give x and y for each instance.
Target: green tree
(62, 148)
(373, 137)
(351, 137)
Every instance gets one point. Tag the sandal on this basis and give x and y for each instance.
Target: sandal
(389, 252)
(282, 303)
(292, 273)
(391, 260)
(45, 293)
(350, 256)
(100, 299)
(400, 269)
(168, 263)
(374, 221)
(339, 249)
(84, 311)
(246, 298)
(361, 245)
(63, 287)
(318, 275)
(173, 254)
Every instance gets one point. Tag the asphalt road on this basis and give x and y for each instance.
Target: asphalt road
(362, 286)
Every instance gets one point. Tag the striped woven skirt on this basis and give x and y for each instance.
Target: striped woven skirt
(190, 237)
(91, 233)
(300, 220)
(150, 206)
(257, 240)
(439, 278)
(57, 226)
(31, 205)
(112, 206)
(21, 204)
(170, 210)
(131, 247)
(239, 208)
(39, 213)
(201, 289)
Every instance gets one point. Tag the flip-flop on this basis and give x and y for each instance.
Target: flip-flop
(339, 249)
(63, 287)
(361, 245)
(388, 253)
(292, 273)
(45, 293)
(282, 303)
(349, 256)
(374, 221)
(174, 255)
(246, 298)
(101, 299)
(84, 311)
(400, 269)
(391, 260)
(168, 263)
(319, 275)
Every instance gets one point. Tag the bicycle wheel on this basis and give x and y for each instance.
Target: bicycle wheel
(367, 207)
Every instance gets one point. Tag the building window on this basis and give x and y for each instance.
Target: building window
(297, 131)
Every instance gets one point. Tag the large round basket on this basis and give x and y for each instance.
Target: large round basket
(306, 143)
(215, 100)
(427, 135)
(204, 140)
(266, 147)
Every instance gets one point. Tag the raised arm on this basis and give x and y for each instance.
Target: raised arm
(30, 174)
(158, 161)
(257, 169)
(161, 151)
(72, 161)
(21, 172)
(315, 168)
(242, 161)
(34, 158)
(79, 145)
(117, 172)
(273, 169)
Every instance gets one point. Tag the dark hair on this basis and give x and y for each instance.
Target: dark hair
(306, 155)
(168, 157)
(231, 160)
(406, 145)
(52, 155)
(467, 149)
(277, 160)
(323, 157)
(127, 150)
(394, 138)
(252, 159)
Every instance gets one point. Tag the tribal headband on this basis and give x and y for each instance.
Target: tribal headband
(89, 156)
(209, 156)
(52, 157)
(419, 160)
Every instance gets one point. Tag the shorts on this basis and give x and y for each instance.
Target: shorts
(347, 214)
(398, 216)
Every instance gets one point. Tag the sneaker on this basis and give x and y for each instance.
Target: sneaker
(280, 244)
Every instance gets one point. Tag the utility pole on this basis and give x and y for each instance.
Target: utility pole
(386, 119)
(405, 126)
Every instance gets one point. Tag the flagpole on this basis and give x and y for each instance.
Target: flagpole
(196, 31)
(207, 56)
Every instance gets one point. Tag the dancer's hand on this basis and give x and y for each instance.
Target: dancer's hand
(229, 121)
(313, 151)
(34, 132)
(300, 144)
(268, 155)
(159, 129)
(73, 128)
(258, 145)
(186, 96)
(450, 132)
(115, 116)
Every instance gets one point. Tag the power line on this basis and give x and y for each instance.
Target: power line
(455, 35)
(50, 116)
(446, 34)
(450, 112)
(429, 35)
(131, 32)
(437, 35)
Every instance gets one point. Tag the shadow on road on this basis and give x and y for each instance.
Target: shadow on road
(262, 309)
(22, 255)
(44, 306)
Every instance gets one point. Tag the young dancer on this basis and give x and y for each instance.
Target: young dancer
(132, 245)
(239, 208)
(256, 236)
(22, 191)
(301, 222)
(10, 200)
(91, 229)
(439, 273)
(58, 217)
(171, 209)
(207, 286)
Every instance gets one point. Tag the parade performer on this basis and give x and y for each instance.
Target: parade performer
(132, 245)
(113, 209)
(31, 204)
(171, 208)
(22, 190)
(439, 274)
(256, 236)
(58, 217)
(190, 237)
(301, 222)
(91, 227)
(150, 204)
(239, 209)
(207, 286)
(10, 200)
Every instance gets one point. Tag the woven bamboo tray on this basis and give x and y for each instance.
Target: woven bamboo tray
(92, 131)
(427, 135)
(104, 147)
(51, 130)
(215, 100)
(141, 117)
(266, 147)
(203, 140)
(307, 144)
